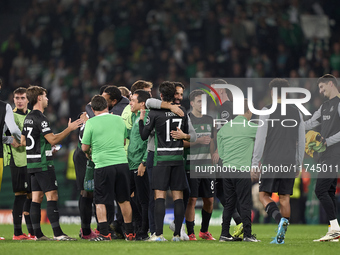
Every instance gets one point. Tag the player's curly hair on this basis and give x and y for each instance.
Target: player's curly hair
(179, 84)
(113, 92)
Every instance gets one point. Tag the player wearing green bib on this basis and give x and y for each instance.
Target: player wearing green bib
(15, 157)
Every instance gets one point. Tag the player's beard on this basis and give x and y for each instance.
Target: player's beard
(177, 101)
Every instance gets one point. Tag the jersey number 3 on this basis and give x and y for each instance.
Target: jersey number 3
(29, 136)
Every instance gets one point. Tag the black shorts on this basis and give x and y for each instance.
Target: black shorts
(21, 180)
(79, 160)
(44, 181)
(282, 186)
(164, 177)
(112, 182)
(201, 187)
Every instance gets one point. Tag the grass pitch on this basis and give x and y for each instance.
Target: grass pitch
(299, 240)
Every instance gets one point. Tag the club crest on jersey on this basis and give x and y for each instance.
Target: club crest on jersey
(147, 121)
(44, 124)
(225, 115)
(202, 127)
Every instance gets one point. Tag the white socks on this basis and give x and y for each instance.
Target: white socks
(334, 225)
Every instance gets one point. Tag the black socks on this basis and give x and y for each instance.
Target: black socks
(159, 215)
(85, 209)
(190, 227)
(27, 208)
(104, 228)
(35, 218)
(53, 216)
(179, 215)
(17, 213)
(205, 220)
(273, 211)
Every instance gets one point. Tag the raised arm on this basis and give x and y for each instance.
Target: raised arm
(334, 138)
(89, 111)
(53, 139)
(10, 123)
(260, 140)
(314, 121)
(145, 130)
(153, 103)
(301, 142)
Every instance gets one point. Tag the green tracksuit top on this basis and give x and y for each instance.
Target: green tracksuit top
(235, 143)
(137, 150)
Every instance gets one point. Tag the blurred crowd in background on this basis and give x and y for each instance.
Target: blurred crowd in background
(73, 47)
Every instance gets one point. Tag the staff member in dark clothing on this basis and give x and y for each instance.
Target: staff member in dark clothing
(281, 148)
(328, 116)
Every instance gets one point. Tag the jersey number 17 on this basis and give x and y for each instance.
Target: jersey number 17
(168, 127)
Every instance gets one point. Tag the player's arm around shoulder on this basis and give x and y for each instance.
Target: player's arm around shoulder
(146, 123)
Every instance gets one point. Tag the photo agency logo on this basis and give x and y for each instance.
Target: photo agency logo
(224, 99)
(296, 96)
